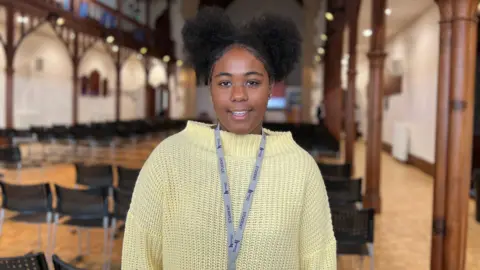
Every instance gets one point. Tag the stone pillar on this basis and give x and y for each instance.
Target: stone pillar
(441, 139)
(376, 56)
(353, 8)
(460, 130)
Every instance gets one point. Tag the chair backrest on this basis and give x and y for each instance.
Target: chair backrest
(344, 191)
(355, 226)
(122, 199)
(59, 264)
(26, 198)
(339, 170)
(10, 154)
(94, 175)
(30, 261)
(82, 203)
(127, 177)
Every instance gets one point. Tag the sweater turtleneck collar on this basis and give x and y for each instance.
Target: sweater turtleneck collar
(203, 135)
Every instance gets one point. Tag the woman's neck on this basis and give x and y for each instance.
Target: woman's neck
(255, 131)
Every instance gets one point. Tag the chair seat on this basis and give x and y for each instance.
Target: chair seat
(85, 223)
(37, 218)
(352, 249)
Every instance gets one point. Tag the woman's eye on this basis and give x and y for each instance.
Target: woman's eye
(253, 83)
(225, 84)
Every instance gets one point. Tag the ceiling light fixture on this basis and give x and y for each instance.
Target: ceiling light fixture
(179, 63)
(324, 37)
(321, 51)
(329, 16)
(388, 12)
(166, 59)
(367, 32)
(143, 50)
(110, 39)
(60, 21)
(115, 48)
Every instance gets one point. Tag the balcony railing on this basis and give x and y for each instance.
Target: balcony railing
(108, 17)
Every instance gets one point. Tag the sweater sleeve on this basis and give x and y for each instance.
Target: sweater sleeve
(317, 241)
(142, 242)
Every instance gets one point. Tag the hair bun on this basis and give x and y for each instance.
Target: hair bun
(281, 40)
(211, 31)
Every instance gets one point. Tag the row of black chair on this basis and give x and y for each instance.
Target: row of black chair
(82, 208)
(37, 261)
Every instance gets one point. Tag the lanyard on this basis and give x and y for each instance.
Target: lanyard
(235, 238)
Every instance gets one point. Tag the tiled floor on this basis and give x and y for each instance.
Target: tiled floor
(402, 237)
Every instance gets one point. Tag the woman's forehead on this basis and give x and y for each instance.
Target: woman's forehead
(238, 60)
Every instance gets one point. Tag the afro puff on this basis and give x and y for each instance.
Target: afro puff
(273, 39)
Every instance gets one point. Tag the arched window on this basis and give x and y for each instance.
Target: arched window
(94, 83)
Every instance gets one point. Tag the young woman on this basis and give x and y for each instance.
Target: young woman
(232, 195)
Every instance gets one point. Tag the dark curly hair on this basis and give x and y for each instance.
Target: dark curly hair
(273, 39)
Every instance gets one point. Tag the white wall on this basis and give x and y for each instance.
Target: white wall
(417, 49)
(132, 99)
(97, 108)
(40, 93)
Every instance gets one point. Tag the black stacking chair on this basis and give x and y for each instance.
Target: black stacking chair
(82, 208)
(59, 264)
(33, 203)
(127, 177)
(94, 175)
(343, 191)
(11, 158)
(335, 170)
(31, 261)
(354, 230)
(122, 199)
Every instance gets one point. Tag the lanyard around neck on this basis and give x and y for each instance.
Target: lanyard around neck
(235, 238)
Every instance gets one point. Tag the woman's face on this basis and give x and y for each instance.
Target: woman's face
(240, 89)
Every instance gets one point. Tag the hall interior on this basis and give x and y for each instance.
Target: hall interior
(377, 99)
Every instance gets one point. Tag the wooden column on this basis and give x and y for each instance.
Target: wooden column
(333, 93)
(76, 64)
(9, 71)
(460, 130)
(376, 57)
(188, 9)
(353, 8)
(118, 69)
(310, 11)
(441, 139)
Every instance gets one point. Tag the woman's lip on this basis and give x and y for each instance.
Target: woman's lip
(239, 115)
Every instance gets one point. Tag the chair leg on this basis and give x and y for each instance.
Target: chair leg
(371, 254)
(49, 236)
(80, 252)
(113, 229)
(56, 216)
(2, 217)
(105, 243)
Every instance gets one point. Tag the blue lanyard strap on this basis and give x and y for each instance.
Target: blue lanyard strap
(235, 238)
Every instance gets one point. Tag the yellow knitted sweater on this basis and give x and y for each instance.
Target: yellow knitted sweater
(177, 220)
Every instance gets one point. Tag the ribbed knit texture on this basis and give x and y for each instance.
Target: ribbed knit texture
(177, 220)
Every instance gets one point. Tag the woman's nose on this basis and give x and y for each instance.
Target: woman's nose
(239, 93)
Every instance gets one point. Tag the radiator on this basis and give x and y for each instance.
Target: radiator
(400, 143)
